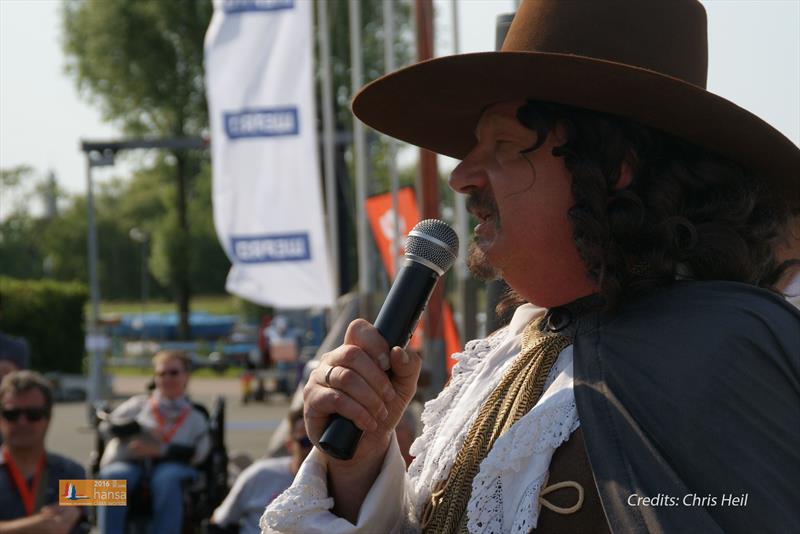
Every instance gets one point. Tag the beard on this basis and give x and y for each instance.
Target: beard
(482, 201)
(478, 264)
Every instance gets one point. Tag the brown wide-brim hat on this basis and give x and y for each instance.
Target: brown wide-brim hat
(642, 60)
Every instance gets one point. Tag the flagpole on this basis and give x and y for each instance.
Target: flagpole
(365, 278)
(327, 142)
(391, 152)
(466, 285)
(434, 361)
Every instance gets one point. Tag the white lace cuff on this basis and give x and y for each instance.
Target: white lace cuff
(304, 508)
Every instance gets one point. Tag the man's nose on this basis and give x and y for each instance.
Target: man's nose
(470, 173)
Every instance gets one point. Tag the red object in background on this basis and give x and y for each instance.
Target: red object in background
(379, 212)
(263, 341)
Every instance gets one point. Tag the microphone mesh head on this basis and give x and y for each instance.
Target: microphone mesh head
(435, 242)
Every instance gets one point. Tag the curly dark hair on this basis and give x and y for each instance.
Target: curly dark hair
(687, 211)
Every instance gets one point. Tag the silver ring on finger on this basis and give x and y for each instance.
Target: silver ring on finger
(328, 376)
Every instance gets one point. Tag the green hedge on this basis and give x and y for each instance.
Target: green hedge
(49, 315)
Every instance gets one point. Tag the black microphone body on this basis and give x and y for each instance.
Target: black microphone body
(407, 298)
(396, 321)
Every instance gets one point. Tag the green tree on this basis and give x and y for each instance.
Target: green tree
(141, 62)
(20, 251)
(63, 242)
(20, 255)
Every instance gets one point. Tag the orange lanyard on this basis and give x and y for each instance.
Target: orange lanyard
(27, 495)
(166, 435)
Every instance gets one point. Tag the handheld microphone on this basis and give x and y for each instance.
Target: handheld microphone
(431, 249)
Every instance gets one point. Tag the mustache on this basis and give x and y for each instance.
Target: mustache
(482, 201)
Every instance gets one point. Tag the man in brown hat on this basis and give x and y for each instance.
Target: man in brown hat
(649, 378)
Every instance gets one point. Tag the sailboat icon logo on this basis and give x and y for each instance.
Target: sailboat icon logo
(71, 494)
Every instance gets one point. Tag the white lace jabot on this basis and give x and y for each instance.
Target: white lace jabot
(505, 490)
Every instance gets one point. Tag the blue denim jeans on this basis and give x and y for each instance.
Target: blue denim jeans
(165, 491)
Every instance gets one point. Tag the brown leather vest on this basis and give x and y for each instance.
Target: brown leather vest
(570, 462)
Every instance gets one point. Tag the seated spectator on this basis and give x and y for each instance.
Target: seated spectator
(29, 474)
(157, 439)
(262, 481)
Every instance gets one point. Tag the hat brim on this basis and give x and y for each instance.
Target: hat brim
(436, 104)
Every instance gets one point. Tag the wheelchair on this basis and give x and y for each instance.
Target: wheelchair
(200, 497)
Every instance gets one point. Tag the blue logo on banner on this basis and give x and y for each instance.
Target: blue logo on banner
(261, 122)
(240, 6)
(271, 248)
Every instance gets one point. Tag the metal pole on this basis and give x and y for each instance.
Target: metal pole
(328, 141)
(365, 278)
(434, 361)
(391, 153)
(466, 284)
(144, 277)
(95, 364)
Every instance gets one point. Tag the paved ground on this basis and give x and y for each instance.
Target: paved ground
(248, 427)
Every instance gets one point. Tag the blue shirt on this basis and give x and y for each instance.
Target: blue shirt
(57, 468)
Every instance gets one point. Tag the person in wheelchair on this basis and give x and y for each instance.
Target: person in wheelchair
(156, 441)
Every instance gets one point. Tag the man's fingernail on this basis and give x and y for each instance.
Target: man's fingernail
(383, 361)
(388, 393)
(406, 359)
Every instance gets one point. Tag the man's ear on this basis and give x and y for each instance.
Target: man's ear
(625, 174)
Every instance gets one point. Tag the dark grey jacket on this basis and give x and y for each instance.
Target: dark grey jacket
(692, 393)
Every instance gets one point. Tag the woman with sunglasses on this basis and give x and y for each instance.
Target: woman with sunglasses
(156, 439)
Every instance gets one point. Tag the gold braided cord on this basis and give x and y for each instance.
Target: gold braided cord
(518, 391)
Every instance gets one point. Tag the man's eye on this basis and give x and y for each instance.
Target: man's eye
(506, 143)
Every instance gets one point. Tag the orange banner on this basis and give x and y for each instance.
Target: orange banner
(379, 211)
(92, 492)
(381, 220)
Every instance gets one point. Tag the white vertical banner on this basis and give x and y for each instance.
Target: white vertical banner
(266, 183)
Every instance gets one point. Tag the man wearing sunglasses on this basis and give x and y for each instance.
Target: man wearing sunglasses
(261, 482)
(29, 474)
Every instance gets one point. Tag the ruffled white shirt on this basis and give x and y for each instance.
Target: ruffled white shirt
(506, 489)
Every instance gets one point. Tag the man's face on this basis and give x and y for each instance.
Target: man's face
(171, 378)
(521, 202)
(24, 419)
(299, 445)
